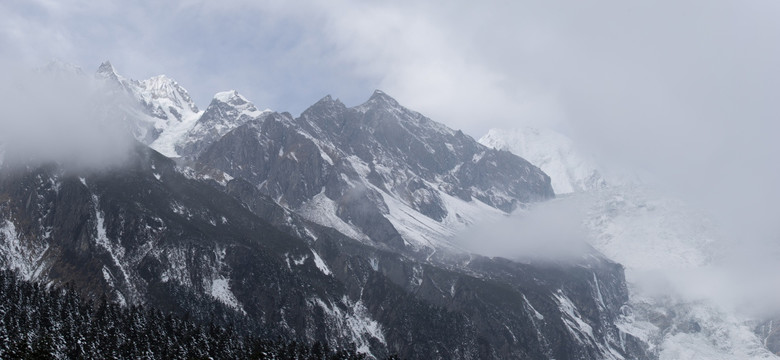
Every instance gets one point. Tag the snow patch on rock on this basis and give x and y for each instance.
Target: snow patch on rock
(320, 263)
(220, 282)
(19, 255)
(322, 210)
(351, 321)
(116, 251)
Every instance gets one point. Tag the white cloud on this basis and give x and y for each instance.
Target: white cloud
(63, 118)
(683, 90)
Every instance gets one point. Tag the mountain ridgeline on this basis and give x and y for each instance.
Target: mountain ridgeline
(381, 166)
(333, 227)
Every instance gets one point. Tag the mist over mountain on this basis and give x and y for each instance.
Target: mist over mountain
(696, 289)
(337, 227)
(232, 207)
(367, 227)
(57, 114)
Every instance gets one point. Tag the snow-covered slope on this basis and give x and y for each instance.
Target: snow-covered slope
(165, 98)
(553, 152)
(162, 114)
(670, 251)
(227, 111)
(645, 230)
(153, 107)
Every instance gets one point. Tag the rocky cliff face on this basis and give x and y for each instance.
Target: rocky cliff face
(333, 226)
(390, 175)
(227, 111)
(145, 233)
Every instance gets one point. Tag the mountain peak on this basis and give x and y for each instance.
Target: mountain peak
(160, 83)
(163, 87)
(379, 99)
(381, 96)
(227, 111)
(106, 68)
(325, 105)
(329, 100)
(230, 97)
(236, 101)
(106, 71)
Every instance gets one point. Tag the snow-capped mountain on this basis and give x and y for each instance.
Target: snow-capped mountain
(166, 118)
(663, 244)
(377, 171)
(555, 153)
(152, 107)
(227, 111)
(145, 233)
(165, 99)
(669, 251)
(334, 226)
(426, 182)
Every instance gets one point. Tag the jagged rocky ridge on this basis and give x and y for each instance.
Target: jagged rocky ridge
(149, 107)
(390, 175)
(305, 227)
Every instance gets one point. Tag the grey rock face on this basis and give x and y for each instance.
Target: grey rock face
(227, 111)
(144, 233)
(255, 235)
(378, 150)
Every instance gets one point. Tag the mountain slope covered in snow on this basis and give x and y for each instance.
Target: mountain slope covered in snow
(151, 106)
(161, 113)
(671, 253)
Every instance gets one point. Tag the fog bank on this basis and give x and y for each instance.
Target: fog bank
(59, 117)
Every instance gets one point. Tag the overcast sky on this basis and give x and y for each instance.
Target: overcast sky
(688, 91)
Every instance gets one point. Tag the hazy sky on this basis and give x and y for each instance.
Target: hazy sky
(471, 65)
(688, 91)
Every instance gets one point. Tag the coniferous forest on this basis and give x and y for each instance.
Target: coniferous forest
(41, 323)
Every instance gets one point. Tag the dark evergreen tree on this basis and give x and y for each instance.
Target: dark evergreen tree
(38, 323)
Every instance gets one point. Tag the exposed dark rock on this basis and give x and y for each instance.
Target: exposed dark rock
(145, 234)
(379, 148)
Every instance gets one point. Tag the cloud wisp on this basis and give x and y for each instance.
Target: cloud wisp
(684, 91)
(552, 231)
(63, 118)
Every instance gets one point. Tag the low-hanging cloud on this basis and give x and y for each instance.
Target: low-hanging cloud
(546, 232)
(59, 117)
(682, 91)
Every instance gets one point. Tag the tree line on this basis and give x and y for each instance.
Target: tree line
(41, 323)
